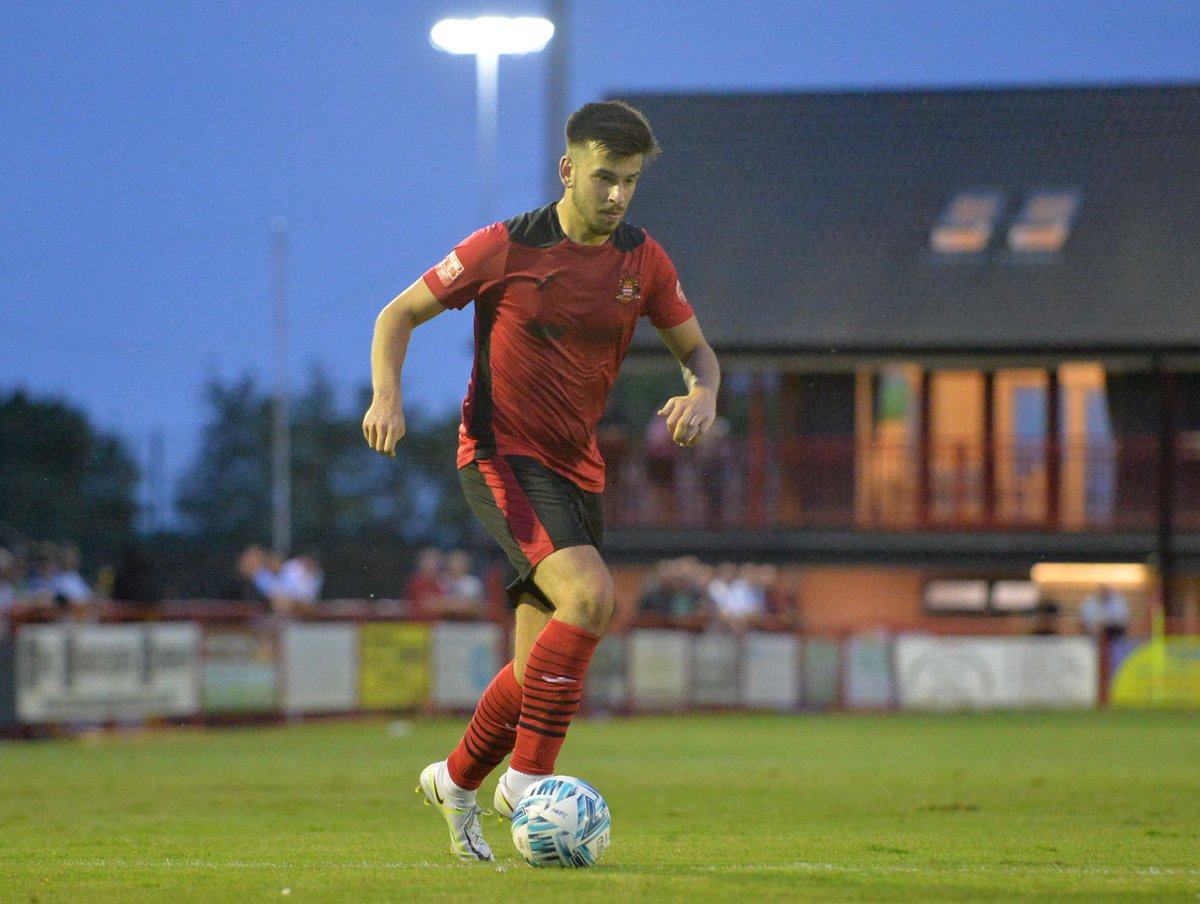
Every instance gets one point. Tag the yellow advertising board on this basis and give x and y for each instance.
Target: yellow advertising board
(1160, 672)
(394, 661)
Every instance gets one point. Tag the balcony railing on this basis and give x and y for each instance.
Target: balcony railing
(837, 483)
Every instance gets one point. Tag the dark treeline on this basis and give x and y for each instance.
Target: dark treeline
(64, 480)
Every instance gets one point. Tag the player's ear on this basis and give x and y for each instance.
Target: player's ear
(566, 171)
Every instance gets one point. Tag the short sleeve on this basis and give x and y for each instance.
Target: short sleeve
(475, 263)
(666, 305)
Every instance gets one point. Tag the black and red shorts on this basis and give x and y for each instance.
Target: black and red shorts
(531, 511)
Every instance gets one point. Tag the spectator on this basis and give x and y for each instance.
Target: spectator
(426, 587)
(674, 591)
(10, 581)
(296, 587)
(251, 580)
(463, 591)
(1045, 618)
(1105, 613)
(38, 590)
(781, 611)
(738, 602)
(67, 583)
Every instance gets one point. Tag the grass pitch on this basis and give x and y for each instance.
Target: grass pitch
(728, 808)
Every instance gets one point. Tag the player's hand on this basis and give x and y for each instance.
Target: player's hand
(383, 426)
(689, 416)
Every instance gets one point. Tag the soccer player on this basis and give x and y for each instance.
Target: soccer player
(558, 292)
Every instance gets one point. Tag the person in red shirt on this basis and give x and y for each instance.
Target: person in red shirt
(558, 293)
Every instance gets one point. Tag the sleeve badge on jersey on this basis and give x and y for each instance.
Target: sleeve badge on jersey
(679, 291)
(630, 289)
(449, 269)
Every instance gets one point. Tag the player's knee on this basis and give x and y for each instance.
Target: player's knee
(590, 602)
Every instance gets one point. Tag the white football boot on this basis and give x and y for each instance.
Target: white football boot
(505, 799)
(459, 810)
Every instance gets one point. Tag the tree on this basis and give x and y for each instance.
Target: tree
(340, 487)
(225, 495)
(64, 480)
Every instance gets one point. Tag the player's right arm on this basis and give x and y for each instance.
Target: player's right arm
(383, 424)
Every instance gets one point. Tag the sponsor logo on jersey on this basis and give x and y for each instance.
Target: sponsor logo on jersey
(679, 291)
(449, 269)
(630, 289)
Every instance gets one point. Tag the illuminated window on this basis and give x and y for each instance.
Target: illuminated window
(1044, 223)
(967, 222)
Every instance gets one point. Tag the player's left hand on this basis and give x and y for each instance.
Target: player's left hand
(689, 416)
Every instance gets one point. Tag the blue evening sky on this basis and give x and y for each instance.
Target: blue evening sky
(146, 146)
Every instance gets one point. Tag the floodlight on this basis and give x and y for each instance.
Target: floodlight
(489, 35)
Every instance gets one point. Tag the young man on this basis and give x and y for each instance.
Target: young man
(558, 292)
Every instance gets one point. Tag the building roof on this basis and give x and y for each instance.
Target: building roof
(843, 222)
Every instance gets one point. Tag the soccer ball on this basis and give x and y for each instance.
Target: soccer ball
(561, 821)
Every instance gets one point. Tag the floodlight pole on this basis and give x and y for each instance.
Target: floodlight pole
(487, 79)
(486, 38)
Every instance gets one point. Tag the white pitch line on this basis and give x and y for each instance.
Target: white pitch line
(798, 866)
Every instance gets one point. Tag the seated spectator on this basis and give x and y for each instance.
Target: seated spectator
(426, 587)
(296, 587)
(738, 602)
(251, 581)
(462, 590)
(675, 592)
(68, 584)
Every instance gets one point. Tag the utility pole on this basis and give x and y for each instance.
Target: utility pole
(281, 440)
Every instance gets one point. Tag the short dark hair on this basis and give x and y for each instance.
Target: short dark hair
(621, 129)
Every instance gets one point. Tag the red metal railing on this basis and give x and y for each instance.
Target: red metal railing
(839, 482)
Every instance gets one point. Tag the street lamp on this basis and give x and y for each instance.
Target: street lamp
(487, 38)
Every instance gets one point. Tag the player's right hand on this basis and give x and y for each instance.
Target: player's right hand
(383, 426)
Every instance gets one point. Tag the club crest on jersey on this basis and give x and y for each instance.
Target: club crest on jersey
(630, 289)
(449, 269)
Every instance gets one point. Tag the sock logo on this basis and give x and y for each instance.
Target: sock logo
(558, 679)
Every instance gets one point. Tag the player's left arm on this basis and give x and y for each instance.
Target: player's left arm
(689, 416)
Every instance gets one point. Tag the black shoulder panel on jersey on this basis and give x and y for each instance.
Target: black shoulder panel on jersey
(535, 228)
(627, 237)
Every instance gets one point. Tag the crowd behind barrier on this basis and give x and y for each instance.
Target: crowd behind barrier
(702, 636)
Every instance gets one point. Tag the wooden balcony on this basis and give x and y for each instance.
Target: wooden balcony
(819, 496)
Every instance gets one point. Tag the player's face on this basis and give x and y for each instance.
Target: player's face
(600, 188)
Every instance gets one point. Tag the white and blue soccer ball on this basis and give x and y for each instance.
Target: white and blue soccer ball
(561, 821)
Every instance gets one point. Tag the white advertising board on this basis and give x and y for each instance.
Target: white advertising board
(68, 672)
(465, 658)
(770, 677)
(996, 672)
(658, 668)
(869, 682)
(606, 687)
(715, 670)
(320, 667)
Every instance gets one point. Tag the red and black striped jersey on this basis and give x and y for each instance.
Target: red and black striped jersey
(553, 321)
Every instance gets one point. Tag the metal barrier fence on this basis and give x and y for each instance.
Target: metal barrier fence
(64, 673)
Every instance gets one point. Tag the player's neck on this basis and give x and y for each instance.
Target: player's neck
(573, 225)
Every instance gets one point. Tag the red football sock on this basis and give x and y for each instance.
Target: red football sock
(491, 733)
(552, 693)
